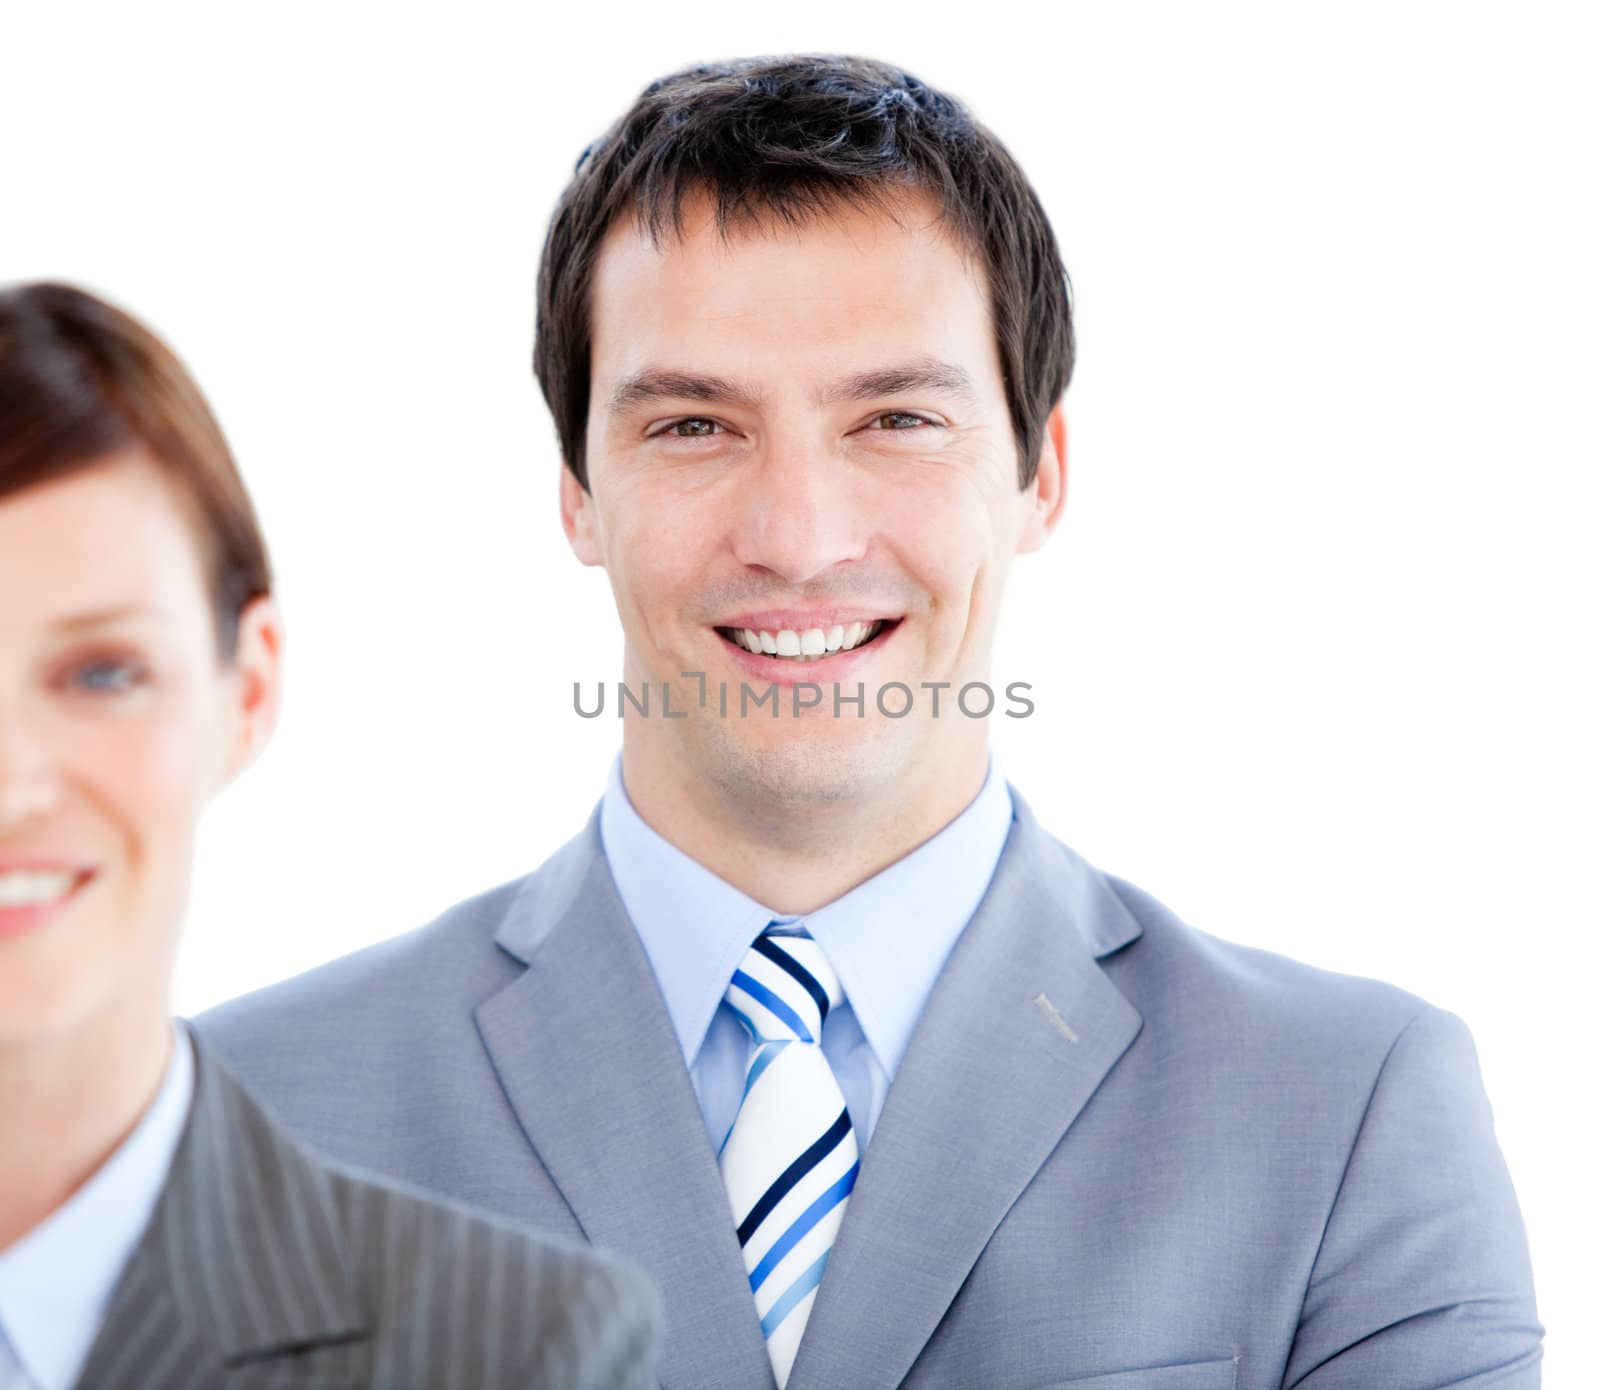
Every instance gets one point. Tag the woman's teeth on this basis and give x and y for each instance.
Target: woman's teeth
(807, 645)
(34, 887)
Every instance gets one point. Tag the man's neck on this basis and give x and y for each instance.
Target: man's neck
(69, 1102)
(790, 855)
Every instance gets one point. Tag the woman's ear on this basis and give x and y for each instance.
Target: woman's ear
(257, 682)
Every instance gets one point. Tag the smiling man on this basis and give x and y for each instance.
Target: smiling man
(813, 1019)
(798, 468)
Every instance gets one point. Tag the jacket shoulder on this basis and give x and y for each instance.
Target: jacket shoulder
(453, 954)
(1200, 980)
(1252, 1027)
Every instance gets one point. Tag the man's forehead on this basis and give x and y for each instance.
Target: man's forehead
(890, 212)
(873, 305)
(860, 264)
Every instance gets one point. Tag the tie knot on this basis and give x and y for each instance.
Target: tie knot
(783, 989)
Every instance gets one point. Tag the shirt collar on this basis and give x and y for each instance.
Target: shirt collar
(694, 926)
(57, 1281)
(887, 938)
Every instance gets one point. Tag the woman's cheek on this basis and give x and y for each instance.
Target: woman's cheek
(174, 765)
(149, 775)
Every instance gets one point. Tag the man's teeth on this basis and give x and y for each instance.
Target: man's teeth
(34, 887)
(810, 644)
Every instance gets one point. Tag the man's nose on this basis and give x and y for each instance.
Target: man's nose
(798, 515)
(29, 786)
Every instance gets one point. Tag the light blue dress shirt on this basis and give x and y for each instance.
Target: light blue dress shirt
(56, 1282)
(887, 939)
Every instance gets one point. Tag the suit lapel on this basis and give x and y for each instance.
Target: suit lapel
(244, 1256)
(1016, 1036)
(585, 1052)
(145, 1334)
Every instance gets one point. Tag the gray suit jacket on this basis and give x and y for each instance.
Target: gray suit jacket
(265, 1267)
(1118, 1152)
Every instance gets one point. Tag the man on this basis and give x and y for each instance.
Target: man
(813, 1019)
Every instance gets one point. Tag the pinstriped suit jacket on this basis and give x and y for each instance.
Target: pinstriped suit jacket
(265, 1267)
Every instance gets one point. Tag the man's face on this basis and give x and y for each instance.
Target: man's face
(802, 429)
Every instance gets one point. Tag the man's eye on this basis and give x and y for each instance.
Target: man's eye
(109, 677)
(695, 427)
(900, 416)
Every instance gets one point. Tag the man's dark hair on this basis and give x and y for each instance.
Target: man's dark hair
(791, 138)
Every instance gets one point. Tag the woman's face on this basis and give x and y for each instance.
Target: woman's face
(118, 723)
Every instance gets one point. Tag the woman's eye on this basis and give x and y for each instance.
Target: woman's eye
(109, 677)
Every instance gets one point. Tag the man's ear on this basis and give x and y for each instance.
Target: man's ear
(257, 682)
(1049, 491)
(578, 519)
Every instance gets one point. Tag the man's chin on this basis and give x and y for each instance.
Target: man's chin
(799, 768)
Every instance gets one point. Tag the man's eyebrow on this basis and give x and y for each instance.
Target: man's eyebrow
(920, 374)
(100, 617)
(656, 384)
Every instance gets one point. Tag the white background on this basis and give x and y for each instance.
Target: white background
(1313, 651)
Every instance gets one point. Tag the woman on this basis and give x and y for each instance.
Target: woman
(156, 1228)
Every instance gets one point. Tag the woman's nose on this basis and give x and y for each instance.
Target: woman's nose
(28, 784)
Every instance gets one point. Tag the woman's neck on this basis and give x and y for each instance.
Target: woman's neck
(69, 1101)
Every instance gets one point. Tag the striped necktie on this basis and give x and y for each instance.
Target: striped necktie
(790, 1159)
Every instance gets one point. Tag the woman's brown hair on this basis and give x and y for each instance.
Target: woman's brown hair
(82, 381)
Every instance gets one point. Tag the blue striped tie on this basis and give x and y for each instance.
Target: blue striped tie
(790, 1159)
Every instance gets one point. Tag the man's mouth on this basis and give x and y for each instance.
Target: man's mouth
(807, 644)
